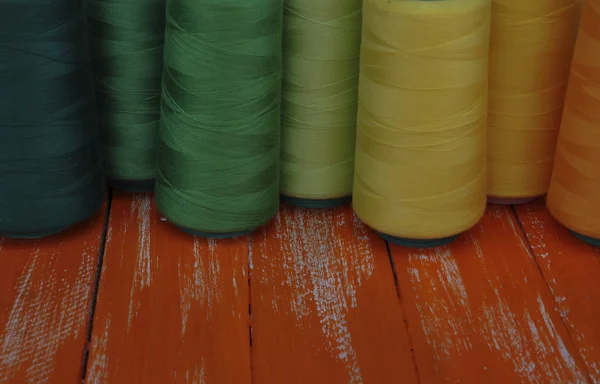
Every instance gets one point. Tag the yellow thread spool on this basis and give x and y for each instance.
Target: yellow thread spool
(420, 154)
(531, 48)
(574, 195)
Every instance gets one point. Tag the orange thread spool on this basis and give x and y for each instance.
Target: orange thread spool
(574, 195)
(531, 49)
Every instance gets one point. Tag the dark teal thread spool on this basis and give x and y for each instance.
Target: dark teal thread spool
(50, 173)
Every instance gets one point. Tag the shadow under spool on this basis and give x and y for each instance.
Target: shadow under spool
(316, 203)
(132, 185)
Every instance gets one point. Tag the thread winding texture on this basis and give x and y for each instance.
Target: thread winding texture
(531, 48)
(50, 174)
(420, 152)
(218, 157)
(320, 79)
(574, 194)
(126, 38)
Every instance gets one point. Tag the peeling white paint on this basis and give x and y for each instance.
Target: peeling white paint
(324, 270)
(47, 312)
(142, 278)
(448, 334)
(98, 369)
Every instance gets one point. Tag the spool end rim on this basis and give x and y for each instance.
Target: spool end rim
(511, 201)
(132, 185)
(215, 235)
(418, 243)
(587, 239)
(316, 203)
(35, 235)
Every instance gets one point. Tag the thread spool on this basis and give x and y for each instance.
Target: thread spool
(50, 175)
(127, 39)
(420, 155)
(218, 156)
(321, 46)
(531, 49)
(574, 194)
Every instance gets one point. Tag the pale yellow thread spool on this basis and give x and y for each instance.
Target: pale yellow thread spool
(531, 48)
(420, 156)
(321, 45)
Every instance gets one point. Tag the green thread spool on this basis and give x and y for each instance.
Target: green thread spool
(320, 89)
(218, 155)
(50, 172)
(127, 37)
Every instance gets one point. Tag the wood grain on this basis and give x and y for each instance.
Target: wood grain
(479, 310)
(324, 303)
(572, 271)
(171, 308)
(46, 289)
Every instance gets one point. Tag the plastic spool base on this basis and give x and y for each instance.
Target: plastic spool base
(416, 243)
(132, 185)
(215, 235)
(511, 201)
(33, 236)
(587, 239)
(316, 203)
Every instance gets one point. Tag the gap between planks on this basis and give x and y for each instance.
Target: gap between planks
(96, 285)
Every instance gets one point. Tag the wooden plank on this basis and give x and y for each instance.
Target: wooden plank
(479, 310)
(46, 289)
(572, 271)
(171, 308)
(324, 305)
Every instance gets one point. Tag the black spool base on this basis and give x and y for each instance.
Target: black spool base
(417, 243)
(587, 239)
(316, 203)
(511, 200)
(132, 185)
(215, 235)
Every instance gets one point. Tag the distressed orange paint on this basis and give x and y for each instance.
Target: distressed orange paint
(572, 271)
(324, 304)
(46, 288)
(479, 311)
(171, 308)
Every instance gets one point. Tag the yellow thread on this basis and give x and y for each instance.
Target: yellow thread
(420, 154)
(574, 195)
(531, 48)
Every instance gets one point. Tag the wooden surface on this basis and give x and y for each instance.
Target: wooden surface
(46, 292)
(314, 297)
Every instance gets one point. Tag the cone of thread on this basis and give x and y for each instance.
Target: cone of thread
(50, 172)
(574, 194)
(531, 50)
(321, 46)
(218, 156)
(420, 152)
(126, 39)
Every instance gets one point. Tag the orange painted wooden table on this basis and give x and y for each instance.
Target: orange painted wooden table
(314, 297)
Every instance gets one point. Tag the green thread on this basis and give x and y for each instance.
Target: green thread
(218, 156)
(320, 90)
(126, 37)
(50, 175)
